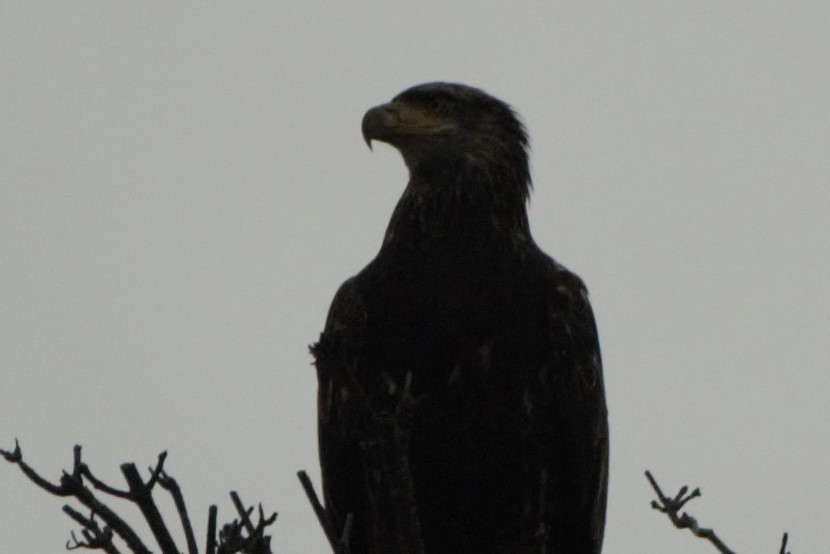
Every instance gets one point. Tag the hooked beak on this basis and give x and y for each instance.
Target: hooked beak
(396, 121)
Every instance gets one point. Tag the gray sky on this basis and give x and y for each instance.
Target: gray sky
(183, 186)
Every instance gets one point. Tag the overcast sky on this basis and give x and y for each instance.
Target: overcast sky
(183, 186)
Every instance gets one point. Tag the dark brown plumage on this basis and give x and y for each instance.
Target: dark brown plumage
(504, 424)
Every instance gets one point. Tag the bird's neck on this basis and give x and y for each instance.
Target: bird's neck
(469, 210)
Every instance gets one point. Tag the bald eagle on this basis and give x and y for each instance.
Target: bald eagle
(459, 372)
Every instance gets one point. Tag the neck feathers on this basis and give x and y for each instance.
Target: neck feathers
(467, 204)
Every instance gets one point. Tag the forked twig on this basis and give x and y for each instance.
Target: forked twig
(672, 506)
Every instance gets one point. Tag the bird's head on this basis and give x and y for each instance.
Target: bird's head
(448, 127)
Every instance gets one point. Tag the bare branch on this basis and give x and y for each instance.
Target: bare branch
(84, 471)
(239, 536)
(784, 545)
(232, 539)
(210, 547)
(16, 457)
(672, 506)
(72, 485)
(170, 485)
(118, 525)
(244, 515)
(155, 473)
(322, 516)
(140, 494)
(95, 538)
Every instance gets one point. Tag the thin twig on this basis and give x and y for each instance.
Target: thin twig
(170, 485)
(232, 537)
(784, 545)
(95, 537)
(100, 485)
(156, 472)
(322, 516)
(16, 457)
(671, 507)
(210, 546)
(258, 541)
(244, 515)
(339, 541)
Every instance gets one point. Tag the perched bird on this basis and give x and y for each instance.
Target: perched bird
(460, 382)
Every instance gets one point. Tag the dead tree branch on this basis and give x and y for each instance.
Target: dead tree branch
(672, 506)
(170, 485)
(339, 542)
(239, 536)
(94, 536)
(784, 545)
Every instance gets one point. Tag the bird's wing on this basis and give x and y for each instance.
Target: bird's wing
(579, 416)
(335, 359)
